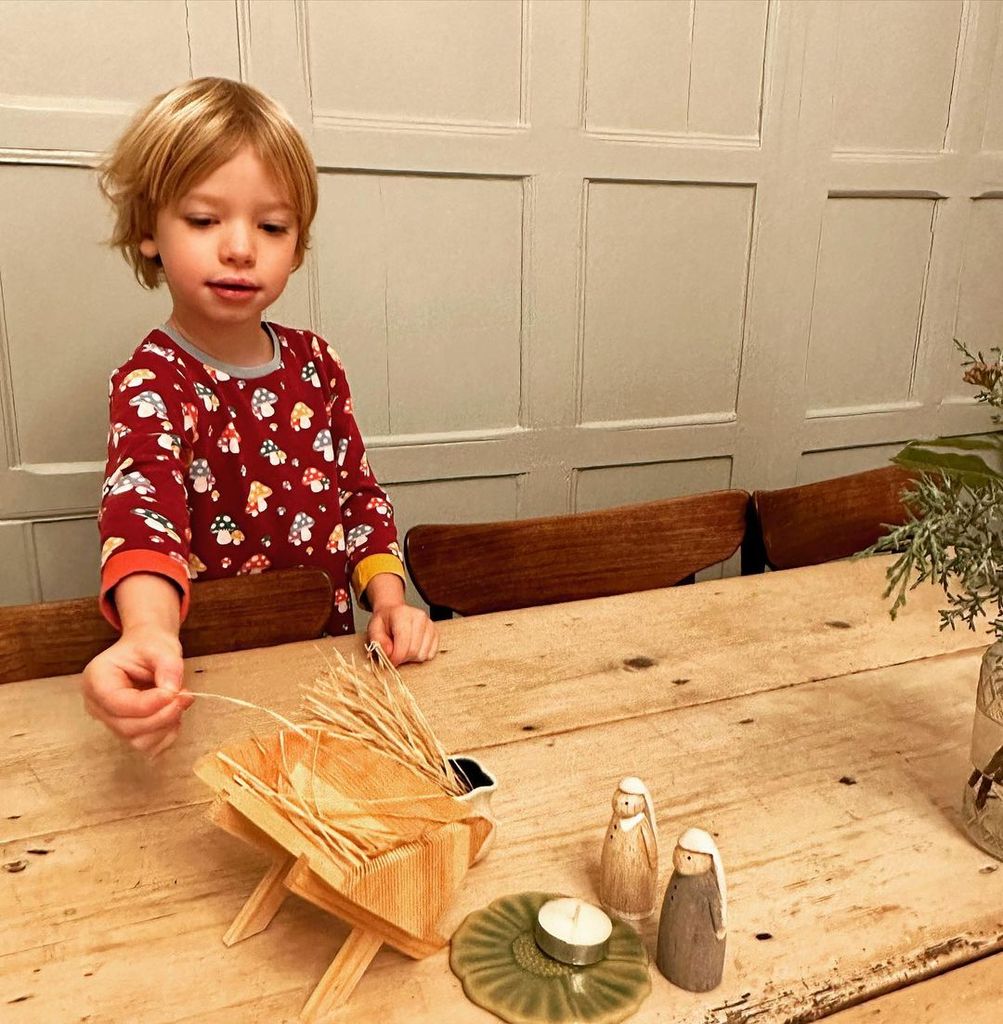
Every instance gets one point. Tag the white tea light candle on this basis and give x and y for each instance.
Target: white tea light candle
(572, 931)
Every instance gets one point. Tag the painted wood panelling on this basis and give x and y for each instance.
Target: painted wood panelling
(824, 465)
(417, 60)
(665, 283)
(992, 134)
(896, 69)
(65, 558)
(980, 303)
(574, 253)
(675, 68)
(650, 481)
(20, 577)
(870, 285)
(70, 313)
(421, 289)
(71, 52)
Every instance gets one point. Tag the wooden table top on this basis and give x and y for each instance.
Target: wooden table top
(824, 745)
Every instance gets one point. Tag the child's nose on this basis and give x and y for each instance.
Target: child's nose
(237, 245)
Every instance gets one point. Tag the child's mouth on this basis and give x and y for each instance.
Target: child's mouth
(233, 289)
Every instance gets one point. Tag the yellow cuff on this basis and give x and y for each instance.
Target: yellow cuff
(371, 566)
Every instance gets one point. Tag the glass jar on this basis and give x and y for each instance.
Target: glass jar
(982, 805)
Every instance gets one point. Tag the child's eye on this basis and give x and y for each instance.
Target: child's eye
(274, 229)
(199, 222)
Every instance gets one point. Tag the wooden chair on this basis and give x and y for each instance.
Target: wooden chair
(474, 568)
(58, 638)
(820, 522)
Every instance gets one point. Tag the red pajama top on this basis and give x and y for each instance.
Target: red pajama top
(217, 470)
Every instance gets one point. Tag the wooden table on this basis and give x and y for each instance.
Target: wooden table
(824, 745)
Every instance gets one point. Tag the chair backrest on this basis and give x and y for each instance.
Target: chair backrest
(832, 519)
(59, 637)
(486, 567)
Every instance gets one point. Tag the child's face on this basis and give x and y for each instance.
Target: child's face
(227, 247)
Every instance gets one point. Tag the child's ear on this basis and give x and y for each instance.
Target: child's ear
(148, 248)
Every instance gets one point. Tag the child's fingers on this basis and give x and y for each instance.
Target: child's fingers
(377, 634)
(113, 691)
(130, 728)
(168, 673)
(403, 640)
(167, 717)
(429, 643)
(154, 743)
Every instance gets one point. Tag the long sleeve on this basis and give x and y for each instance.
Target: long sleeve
(144, 518)
(371, 542)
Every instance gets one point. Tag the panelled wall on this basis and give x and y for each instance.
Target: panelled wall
(573, 253)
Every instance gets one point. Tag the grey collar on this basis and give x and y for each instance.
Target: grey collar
(246, 372)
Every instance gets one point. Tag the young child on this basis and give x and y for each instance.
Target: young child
(232, 444)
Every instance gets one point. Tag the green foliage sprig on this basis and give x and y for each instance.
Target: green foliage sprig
(954, 536)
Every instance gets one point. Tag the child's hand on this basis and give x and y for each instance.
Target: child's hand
(404, 633)
(134, 688)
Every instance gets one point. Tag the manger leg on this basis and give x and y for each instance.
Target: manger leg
(262, 905)
(340, 979)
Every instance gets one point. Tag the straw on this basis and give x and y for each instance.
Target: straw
(346, 705)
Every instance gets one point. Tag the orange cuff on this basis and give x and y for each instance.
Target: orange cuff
(371, 566)
(128, 562)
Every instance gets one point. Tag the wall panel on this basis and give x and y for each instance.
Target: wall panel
(66, 566)
(421, 292)
(896, 73)
(870, 284)
(665, 278)
(417, 60)
(71, 311)
(603, 486)
(676, 68)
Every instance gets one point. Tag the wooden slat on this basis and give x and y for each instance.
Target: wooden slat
(814, 523)
(260, 610)
(474, 568)
(971, 994)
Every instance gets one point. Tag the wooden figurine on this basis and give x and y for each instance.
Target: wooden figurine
(694, 920)
(628, 876)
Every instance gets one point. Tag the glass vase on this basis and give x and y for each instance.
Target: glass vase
(982, 804)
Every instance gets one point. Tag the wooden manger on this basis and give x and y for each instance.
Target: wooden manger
(352, 827)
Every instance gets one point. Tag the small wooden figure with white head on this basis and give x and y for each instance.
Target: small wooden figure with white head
(693, 925)
(628, 877)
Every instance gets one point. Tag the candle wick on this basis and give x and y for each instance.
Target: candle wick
(578, 910)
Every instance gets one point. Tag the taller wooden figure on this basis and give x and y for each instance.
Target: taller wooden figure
(693, 925)
(628, 876)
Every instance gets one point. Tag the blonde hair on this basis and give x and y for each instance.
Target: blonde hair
(184, 135)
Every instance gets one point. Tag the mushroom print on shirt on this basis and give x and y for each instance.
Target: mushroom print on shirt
(216, 471)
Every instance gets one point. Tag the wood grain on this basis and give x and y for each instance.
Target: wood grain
(473, 568)
(970, 994)
(827, 761)
(814, 523)
(259, 610)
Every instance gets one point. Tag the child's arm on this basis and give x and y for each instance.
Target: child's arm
(134, 687)
(374, 562)
(404, 633)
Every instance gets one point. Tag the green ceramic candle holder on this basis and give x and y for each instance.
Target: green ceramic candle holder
(496, 958)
